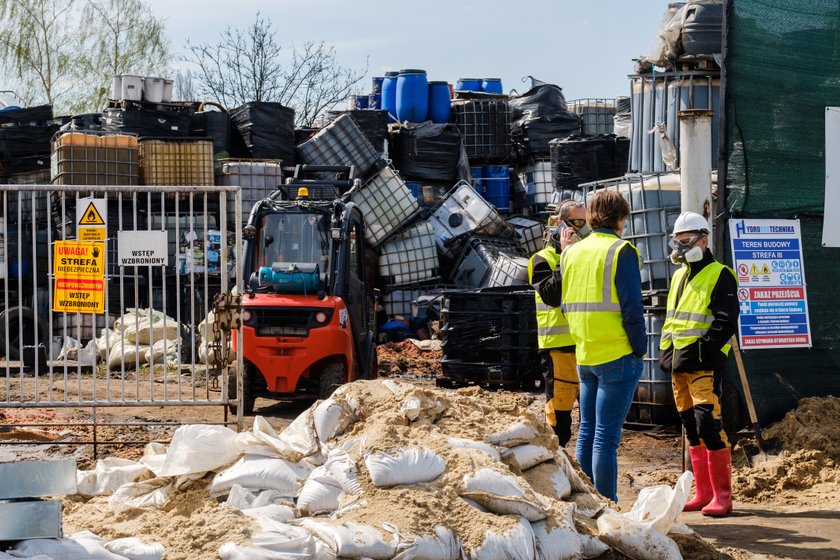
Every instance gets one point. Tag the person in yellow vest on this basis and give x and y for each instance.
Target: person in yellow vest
(600, 288)
(701, 317)
(553, 337)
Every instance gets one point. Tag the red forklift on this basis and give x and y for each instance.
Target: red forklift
(308, 309)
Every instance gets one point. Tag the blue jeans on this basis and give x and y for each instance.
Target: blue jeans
(606, 392)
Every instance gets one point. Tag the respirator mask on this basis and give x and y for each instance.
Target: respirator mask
(685, 250)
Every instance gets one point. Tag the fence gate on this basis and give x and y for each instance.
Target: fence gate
(117, 296)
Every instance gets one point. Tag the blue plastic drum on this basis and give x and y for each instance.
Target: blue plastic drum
(359, 102)
(389, 95)
(476, 174)
(376, 86)
(375, 101)
(496, 186)
(416, 189)
(439, 102)
(468, 84)
(492, 85)
(412, 96)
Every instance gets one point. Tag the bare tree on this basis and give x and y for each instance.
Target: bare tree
(251, 65)
(125, 38)
(184, 85)
(39, 43)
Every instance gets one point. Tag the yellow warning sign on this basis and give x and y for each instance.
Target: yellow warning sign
(79, 269)
(91, 217)
(765, 269)
(91, 234)
(754, 269)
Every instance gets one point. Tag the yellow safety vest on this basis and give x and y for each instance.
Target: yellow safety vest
(690, 318)
(552, 327)
(590, 300)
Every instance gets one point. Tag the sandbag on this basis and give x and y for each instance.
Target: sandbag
(83, 545)
(523, 457)
(135, 549)
(441, 545)
(352, 540)
(659, 507)
(460, 443)
(502, 494)
(320, 493)
(416, 406)
(163, 351)
(128, 355)
(242, 498)
(556, 543)
(404, 466)
(258, 472)
(198, 448)
(152, 493)
(108, 475)
(331, 419)
(590, 547)
(636, 540)
(343, 469)
(518, 543)
(517, 434)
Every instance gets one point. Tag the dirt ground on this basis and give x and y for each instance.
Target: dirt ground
(785, 509)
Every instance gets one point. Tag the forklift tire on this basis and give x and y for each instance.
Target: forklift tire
(249, 393)
(26, 317)
(332, 375)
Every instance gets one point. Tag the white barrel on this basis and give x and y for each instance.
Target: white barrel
(153, 89)
(132, 88)
(167, 90)
(116, 87)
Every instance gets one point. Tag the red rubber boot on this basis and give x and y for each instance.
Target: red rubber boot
(702, 483)
(720, 473)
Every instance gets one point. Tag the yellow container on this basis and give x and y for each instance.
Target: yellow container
(176, 162)
(93, 158)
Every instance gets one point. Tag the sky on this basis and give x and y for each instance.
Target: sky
(586, 47)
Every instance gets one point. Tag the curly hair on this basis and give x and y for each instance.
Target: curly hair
(606, 209)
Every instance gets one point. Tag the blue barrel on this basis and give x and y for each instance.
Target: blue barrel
(496, 186)
(375, 101)
(358, 102)
(439, 102)
(477, 173)
(492, 85)
(376, 86)
(468, 84)
(416, 189)
(389, 95)
(412, 96)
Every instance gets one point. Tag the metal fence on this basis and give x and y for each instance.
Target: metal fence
(118, 296)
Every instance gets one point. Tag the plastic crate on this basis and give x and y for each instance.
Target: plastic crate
(176, 162)
(506, 300)
(495, 375)
(410, 256)
(90, 158)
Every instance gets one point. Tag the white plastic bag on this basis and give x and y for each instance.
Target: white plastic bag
(635, 540)
(523, 457)
(441, 545)
(352, 540)
(658, 507)
(404, 466)
(516, 544)
(299, 439)
(108, 475)
(460, 443)
(256, 472)
(197, 448)
(135, 549)
(517, 434)
(502, 494)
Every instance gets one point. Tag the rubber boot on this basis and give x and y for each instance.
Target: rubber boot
(720, 473)
(702, 484)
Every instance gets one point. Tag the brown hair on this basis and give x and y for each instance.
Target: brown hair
(606, 209)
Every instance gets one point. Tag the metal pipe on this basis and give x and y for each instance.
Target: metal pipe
(696, 163)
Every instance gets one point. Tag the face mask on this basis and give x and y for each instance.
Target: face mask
(683, 254)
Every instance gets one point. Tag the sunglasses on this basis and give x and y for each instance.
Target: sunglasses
(577, 224)
(684, 242)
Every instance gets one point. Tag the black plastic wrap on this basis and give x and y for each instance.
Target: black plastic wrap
(267, 129)
(27, 116)
(146, 122)
(87, 121)
(214, 125)
(18, 142)
(373, 123)
(427, 152)
(581, 159)
(538, 116)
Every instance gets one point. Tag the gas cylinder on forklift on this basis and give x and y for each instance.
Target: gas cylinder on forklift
(308, 309)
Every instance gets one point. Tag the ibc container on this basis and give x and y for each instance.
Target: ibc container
(398, 299)
(529, 233)
(89, 158)
(410, 256)
(258, 179)
(596, 115)
(463, 212)
(340, 143)
(176, 162)
(508, 271)
(659, 99)
(654, 207)
(386, 203)
(473, 266)
(484, 126)
(539, 189)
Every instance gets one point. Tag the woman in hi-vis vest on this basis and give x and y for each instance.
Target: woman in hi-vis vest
(600, 289)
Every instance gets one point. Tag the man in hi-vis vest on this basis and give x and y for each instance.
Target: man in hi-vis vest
(701, 317)
(555, 342)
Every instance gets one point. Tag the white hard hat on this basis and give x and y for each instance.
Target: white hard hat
(691, 221)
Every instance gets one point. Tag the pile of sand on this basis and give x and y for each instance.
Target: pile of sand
(810, 460)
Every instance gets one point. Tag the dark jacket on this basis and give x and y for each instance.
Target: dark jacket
(705, 354)
(540, 272)
(628, 285)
